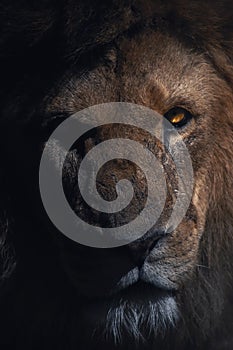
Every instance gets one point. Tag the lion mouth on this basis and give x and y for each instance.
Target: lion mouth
(142, 291)
(134, 288)
(135, 283)
(139, 310)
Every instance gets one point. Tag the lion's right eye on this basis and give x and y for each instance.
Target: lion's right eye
(178, 116)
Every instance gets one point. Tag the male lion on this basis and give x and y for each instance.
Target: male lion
(166, 290)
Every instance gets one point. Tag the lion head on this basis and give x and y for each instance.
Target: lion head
(169, 288)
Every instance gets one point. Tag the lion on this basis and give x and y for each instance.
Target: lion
(166, 290)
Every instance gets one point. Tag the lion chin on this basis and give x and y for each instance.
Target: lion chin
(171, 289)
(134, 313)
(138, 309)
(149, 313)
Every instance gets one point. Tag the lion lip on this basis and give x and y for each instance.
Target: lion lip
(133, 285)
(137, 278)
(142, 291)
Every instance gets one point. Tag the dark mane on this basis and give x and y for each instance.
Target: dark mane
(40, 40)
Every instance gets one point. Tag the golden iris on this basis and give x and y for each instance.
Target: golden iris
(178, 116)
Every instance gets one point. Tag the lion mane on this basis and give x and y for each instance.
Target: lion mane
(39, 306)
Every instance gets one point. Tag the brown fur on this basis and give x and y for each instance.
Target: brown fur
(58, 59)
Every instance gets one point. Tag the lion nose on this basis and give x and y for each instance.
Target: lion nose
(141, 248)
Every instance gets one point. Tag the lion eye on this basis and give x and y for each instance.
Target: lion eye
(178, 116)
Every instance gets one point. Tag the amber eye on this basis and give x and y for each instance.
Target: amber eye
(178, 116)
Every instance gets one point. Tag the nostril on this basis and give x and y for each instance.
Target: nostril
(140, 249)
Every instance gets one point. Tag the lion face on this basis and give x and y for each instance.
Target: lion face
(142, 289)
(172, 284)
